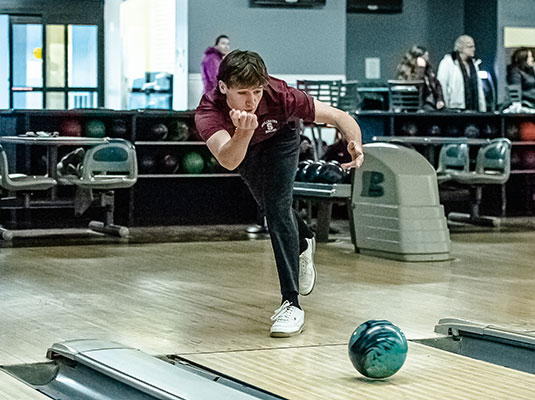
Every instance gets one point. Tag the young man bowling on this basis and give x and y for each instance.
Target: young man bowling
(248, 125)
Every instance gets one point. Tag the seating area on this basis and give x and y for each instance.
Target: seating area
(492, 167)
(104, 168)
(455, 171)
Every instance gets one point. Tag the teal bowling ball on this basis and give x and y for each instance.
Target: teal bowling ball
(95, 128)
(377, 349)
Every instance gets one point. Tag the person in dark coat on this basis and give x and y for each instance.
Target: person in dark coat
(415, 66)
(521, 72)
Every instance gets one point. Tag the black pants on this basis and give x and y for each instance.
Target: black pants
(269, 171)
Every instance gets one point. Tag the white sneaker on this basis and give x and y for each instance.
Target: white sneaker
(307, 269)
(289, 321)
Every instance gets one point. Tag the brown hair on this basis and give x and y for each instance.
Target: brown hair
(520, 58)
(243, 69)
(407, 68)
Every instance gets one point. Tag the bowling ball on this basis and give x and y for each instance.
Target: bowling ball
(512, 132)
(192, 163)
(434, 130)
(95, 128)
(119, 129)
(471, 131)
(330, 172)
(409, 129)
(516, 160)
(528, 159)
(178, 131)
(158, 132)
(194, 134)
(526, 130)
(213, 167)
(489, 131)
(147, 164)
(377, 349)
(169, 164)
(452, 130)
(310, 172)
(300, 166)
(70, 127)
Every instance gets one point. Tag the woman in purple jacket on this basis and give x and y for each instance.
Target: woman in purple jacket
(212, 59)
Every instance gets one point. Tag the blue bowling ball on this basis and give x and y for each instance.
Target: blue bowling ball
(377, 349)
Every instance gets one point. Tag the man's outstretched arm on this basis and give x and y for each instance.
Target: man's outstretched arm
(347, 126)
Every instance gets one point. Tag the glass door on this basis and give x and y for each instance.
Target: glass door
(26, 62)
(52, 66)
(4, 61)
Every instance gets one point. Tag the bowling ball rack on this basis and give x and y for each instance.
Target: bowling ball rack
(324, 194)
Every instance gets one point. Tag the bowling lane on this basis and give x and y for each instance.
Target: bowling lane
(325, 372)
(13, 389)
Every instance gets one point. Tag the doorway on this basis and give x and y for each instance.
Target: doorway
(47, 66)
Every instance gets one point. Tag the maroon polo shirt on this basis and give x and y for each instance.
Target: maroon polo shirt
(278, 104)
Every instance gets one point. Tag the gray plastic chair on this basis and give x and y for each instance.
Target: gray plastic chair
(105, 167)
(406, 95)
(514, 93)
(25, 184)
(325, 91)
(453, 159)
(493, 167)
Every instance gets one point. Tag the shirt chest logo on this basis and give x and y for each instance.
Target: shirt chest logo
(270, 125)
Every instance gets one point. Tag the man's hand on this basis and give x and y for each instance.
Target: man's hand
(357, 157)
(243, 120)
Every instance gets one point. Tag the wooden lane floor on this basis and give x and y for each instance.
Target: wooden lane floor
(325, 372)
(216, 297)
(13, 389)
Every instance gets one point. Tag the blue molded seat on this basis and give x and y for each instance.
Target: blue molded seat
(105, 167)
(493, 167)
(453, 159)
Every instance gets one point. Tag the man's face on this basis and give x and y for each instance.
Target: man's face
(223, 46)
(469, 49)
(242, 99)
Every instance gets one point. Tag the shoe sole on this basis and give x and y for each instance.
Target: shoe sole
(315, 274)
(286, 334)
(313, 283)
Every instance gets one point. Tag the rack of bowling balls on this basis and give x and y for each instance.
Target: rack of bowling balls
(522, 134)
(75, 125)
(169, 160)
(172, 146)
(322, 171)
(471, 129)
